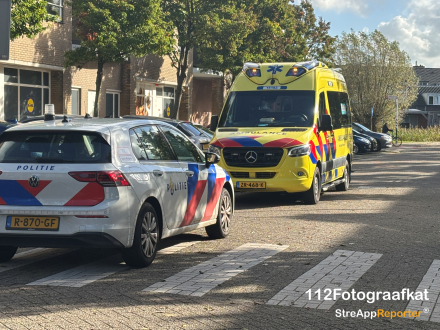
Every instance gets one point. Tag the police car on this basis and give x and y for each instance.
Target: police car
(107, 183)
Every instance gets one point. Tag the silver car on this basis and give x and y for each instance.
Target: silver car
(107, 183)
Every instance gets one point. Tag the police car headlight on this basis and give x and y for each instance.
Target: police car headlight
(302, 150)
(215, 150)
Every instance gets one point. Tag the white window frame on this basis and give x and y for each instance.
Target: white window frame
(55, 5)
(163, 97)
(19, 84)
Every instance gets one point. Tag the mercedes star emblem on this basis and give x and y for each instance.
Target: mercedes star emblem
(251, 157)
(34, 181)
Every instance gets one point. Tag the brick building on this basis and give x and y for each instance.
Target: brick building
(34, 76)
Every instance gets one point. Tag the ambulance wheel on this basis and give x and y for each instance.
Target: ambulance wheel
(221, 228)
(344, 185)
(7, 253)
(311, 196)
(146, 238)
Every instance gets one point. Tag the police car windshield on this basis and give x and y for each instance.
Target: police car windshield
(269, 108)
(53, 147)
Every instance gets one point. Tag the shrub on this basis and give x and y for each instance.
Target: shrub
(430, 134)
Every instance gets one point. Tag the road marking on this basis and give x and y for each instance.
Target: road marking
(430, 282)
(30, 256)
(85, 274)
(339, 271)
(200, 279)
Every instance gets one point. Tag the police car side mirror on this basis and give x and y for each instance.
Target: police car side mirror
(211, 158)
(214, 123)
(325, 124)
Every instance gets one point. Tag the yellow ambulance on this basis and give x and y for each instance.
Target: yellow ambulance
(286, 127)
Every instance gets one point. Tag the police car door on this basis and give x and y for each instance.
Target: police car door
(158, 159)
(193, 164)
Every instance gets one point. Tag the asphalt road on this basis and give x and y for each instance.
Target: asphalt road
(381, 235)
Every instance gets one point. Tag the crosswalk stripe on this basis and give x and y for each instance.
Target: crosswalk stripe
(30, 256)
(85, 274)
(338, 271)
(430, 282)
(200, 279)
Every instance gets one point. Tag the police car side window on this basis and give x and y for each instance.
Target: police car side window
(148, 144)
(184, 149)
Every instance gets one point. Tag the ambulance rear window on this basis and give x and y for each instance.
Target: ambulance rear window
(53, 147)
(272, 108)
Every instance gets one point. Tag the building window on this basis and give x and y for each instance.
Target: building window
(167, 96)
(423, 83)
(112, 105)
(76, 101)
(55, 7)
(26, 92)
(431, 100)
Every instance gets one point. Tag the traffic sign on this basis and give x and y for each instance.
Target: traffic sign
(392, 97)
(5, 28)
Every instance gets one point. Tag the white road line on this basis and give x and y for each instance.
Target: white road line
(339, 271)
(31, 256)
(431, 308)
(200, 279)
(85, 274)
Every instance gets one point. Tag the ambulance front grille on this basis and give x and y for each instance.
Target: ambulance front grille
(265, 157)
(240, 175)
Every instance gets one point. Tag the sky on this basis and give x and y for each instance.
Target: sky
(415, 24)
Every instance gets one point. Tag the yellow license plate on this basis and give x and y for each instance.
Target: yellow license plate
(251, 185)
(32, 223)
(205, 146)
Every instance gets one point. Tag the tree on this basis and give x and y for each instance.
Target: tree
(28, 17)
(264, 31)
(112, 30)
(375, 68)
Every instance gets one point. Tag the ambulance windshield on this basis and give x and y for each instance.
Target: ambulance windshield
(269, 109)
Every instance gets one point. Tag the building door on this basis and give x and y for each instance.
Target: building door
(76, 101)
(91, 102)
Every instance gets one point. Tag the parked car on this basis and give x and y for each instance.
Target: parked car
(383, 140)
(363, 144)
(369, 138)
(186, 127)
(4, 125)
(107, 183)
(209, 134)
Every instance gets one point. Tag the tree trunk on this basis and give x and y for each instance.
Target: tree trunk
(181, 76)
(98, 86)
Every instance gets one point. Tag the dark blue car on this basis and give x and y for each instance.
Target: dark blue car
(361, 144)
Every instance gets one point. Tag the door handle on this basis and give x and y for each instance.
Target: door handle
(189, 173)
(158, 172)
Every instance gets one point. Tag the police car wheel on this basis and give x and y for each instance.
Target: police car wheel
(379, 146)
(221, 228)
(344, 185)
(312, 195)
(146, 238)
(7, 253)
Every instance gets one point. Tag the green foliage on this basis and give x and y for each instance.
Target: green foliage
(28, 17)
(112, 30)
(262, 31)
(375, 68)
(430, 134)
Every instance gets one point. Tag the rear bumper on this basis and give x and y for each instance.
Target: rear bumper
(79, 240)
